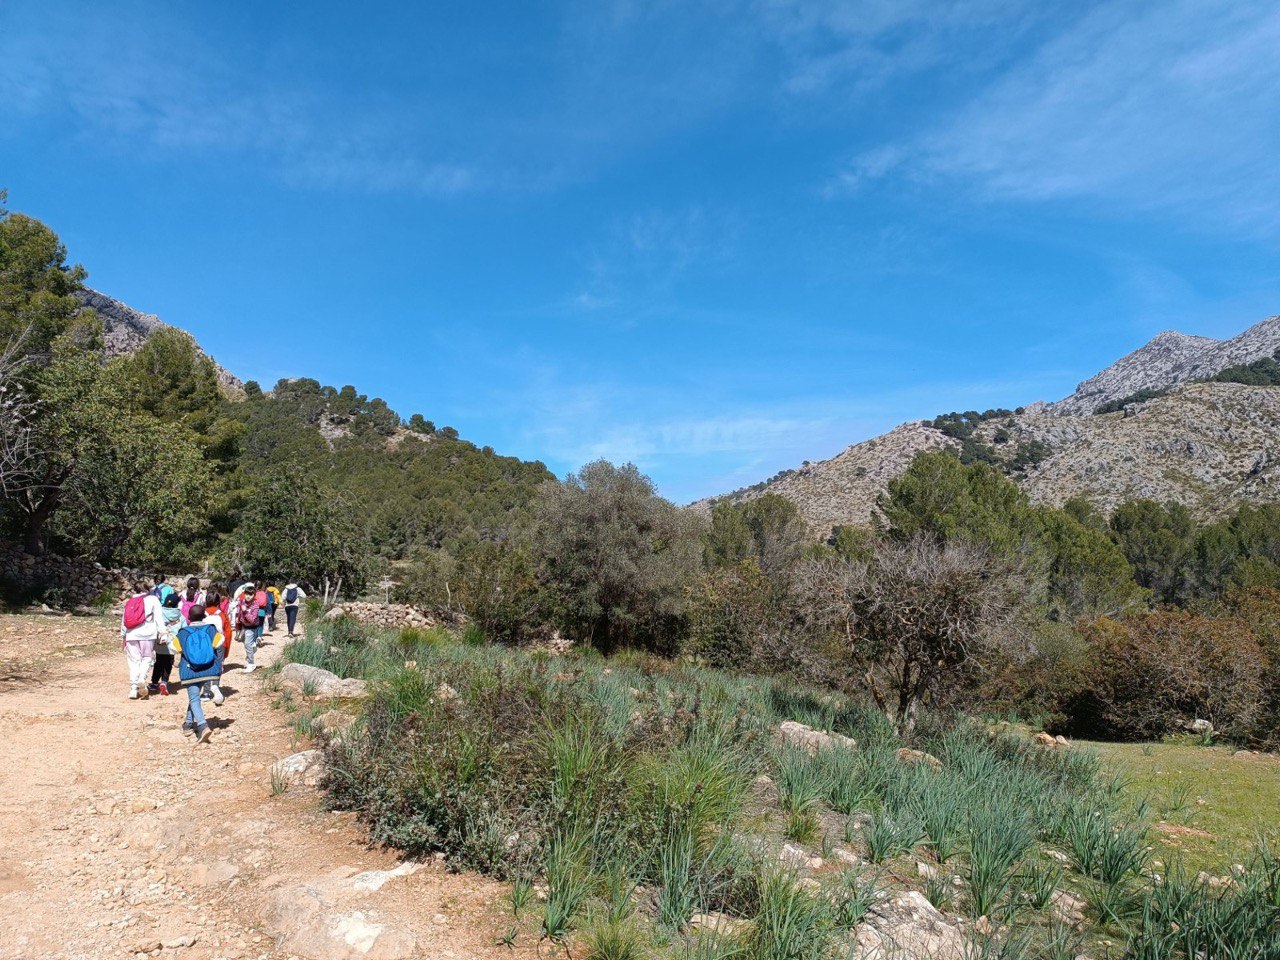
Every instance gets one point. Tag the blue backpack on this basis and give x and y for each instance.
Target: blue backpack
(197, 647)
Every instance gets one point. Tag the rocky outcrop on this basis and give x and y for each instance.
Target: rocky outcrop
(314, 682)
(794, 734)
(327, 920)
(1170, 359)
(125, 330)
(306, 768)
(908, 927)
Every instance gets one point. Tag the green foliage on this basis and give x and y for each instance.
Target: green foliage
(1140, 396)
(1155, 538)
(1259, 373)
(616, 557)
(768, 530)
(291, 531)
(37, 285)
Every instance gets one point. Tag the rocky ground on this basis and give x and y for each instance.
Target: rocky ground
(120, 838)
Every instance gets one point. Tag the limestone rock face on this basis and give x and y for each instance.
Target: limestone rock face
(125, 330)
(1170, 359)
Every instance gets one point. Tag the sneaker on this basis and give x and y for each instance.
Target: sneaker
(188, 729)
(133, 693)
(218, 698)
(249, 668)
(206, 695)
(202, 734)
(143, 693)
(164, 689)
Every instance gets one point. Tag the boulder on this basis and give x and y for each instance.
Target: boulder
(306, 768)
(333, 724)
(309, 920)
(908, 927)
(910, 756)
(1067, 908)
(794, 734)
(719, 924)
(312, 681)
(1199, 725)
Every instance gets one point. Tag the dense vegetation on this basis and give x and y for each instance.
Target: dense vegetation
(146, 460)
(621, 797)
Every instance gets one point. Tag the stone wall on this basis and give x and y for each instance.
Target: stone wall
(386, 616)
(64, 581)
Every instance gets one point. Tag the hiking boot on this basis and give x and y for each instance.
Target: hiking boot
(218, 698)
(202, 733)
(188, 729)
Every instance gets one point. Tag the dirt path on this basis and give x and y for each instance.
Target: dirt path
(119, 837)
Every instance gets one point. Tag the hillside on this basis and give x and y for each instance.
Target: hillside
(1210, 445)
(125, 330)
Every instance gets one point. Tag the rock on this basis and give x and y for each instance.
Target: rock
(910, 756)
(1067, 908)
(1062, 741)
(142, 805)
(333, 613)
(306, 768)
(848, 857)
(1199, 725)
(795, 734)
(446, 692)
(312, 681)
(179, 943)
(309, 920)
(333, 724)
(907, 927)
(797, 857)
(720, 924)
(372, 880)
(1045, 739)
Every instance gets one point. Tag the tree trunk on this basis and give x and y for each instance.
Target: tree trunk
(37, 520)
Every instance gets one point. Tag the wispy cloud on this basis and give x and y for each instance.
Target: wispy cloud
(171, 95)
(1171, 107)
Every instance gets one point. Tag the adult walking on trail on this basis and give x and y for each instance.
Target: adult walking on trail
(140, 625)
(293, 597)
(197, 646)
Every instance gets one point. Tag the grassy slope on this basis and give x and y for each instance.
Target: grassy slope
(1232, 799)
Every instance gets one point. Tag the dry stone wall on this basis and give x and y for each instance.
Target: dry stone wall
(64, 581)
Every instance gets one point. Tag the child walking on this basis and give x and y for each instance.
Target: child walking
(197, 645)
(173, 622)
(140, 625)
(248, 622)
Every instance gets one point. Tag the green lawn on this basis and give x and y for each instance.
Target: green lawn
(1209, 806)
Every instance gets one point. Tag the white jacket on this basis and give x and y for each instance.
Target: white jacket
(284, 594)
(152, 624)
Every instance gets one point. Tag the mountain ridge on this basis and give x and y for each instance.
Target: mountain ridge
(1209, 445)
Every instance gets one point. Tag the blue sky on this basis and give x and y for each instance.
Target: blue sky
(715, 238)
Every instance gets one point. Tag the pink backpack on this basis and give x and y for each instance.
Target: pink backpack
(135, 612)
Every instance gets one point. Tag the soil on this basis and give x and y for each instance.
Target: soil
(120, 837)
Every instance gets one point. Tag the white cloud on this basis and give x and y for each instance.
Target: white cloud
(1158, 106)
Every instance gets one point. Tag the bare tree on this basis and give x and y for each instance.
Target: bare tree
(17, 452)
(917, 615)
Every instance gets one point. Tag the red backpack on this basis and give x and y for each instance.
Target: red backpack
(135, 612)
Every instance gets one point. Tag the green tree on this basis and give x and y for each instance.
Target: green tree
(37, 285)
(615, 556)
(768, 529)
(291, 530)
(1156, 539)
(1088, 574)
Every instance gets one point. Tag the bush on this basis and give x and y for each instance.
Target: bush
(1149, 674)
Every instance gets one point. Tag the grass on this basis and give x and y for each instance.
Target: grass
(626, 789)
(1215, 805)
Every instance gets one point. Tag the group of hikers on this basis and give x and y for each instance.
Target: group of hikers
(194, 628)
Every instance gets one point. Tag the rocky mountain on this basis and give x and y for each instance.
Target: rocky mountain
(1210, 445)
(1171, 358)
(126, 329)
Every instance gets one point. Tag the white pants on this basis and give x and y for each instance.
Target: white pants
(141, 655)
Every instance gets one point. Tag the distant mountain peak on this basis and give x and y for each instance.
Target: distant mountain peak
(1169, 359)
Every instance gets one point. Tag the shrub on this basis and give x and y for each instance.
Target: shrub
(1150, 673)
